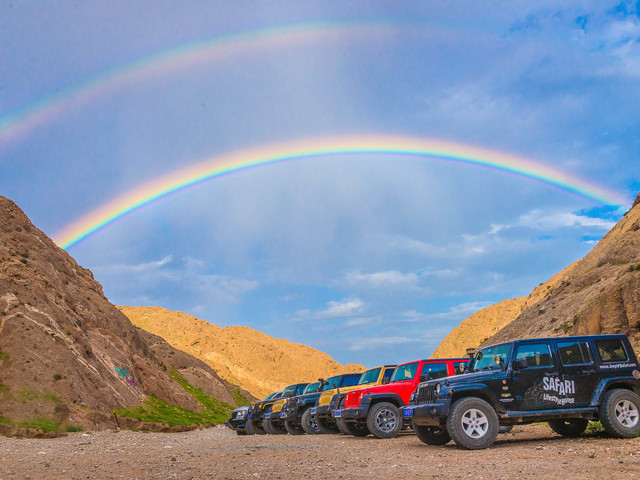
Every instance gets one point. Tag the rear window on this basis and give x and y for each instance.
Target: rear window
(611, 350)
(431, 371)
(574, 352)
(537, 354)
(459, 367)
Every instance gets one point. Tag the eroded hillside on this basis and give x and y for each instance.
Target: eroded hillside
(258, 362)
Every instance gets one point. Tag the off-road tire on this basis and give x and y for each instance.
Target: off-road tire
(569, 427)
(277, 429)
(309, 424)
(384, 420)
(340, 424)
(432, 435)
(326, 427)
(504, 429)
(266, 425)
(620, 413)
(472, 423)
(253, 429)
(293, 429)
(357, 429)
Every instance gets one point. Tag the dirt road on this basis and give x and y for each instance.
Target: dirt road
(528, 452)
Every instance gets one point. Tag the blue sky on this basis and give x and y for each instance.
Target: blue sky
(373, 260)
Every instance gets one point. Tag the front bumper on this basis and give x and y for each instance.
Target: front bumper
(235, 423)
(322, 411)
(359, 413)
(429, 414)
(288, 415)
(273, 416)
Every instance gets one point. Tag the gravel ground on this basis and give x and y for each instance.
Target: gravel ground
(528, 452)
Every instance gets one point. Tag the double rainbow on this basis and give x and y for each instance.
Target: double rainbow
(397, 146)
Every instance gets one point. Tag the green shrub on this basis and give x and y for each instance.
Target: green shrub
(40, 423)
(73, 428)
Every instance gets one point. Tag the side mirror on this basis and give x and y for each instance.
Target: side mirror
(462, 367)
(385, 381)
(424, 378)
(520, 364)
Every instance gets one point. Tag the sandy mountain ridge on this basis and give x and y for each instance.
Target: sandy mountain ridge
(244, 356)
(67, 355)
(598, 294)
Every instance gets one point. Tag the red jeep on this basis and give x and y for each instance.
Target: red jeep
(377, 410)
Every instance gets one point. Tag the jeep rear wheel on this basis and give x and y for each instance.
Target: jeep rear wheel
(357, 429)
(620, 413)
(472, 423)
(309, 424)
(569, 427)
(293, 429)
(384, 420)
(432, 435)
(326, 426)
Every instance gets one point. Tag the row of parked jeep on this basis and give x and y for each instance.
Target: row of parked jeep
(565, 381)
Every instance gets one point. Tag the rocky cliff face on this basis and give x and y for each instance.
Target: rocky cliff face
(66, 354)
(260, 363)
(597, 294)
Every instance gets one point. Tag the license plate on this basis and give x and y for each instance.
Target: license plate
(268, 415)
(337, 413)
(283, 415)
(249, 416)
(313, 411)
(408, 412)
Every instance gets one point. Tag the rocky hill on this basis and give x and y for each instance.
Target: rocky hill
(69, 358)
(260, 363)
(597, 294)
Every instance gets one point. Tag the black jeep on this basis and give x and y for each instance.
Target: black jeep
(564, 381)
(254, 415)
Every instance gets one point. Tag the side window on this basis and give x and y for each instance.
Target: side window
(537, 354)
(574, 352)
(459, 367)
(387, 374)
(611, 350)
(434, 370)
(350, 380)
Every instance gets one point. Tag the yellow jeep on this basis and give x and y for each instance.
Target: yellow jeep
(326, 423)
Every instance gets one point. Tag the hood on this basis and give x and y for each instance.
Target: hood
(246, 407)
(475, 377)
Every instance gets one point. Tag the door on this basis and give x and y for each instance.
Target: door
(535, 387)
(579, 374)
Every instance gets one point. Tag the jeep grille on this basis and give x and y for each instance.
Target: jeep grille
(426, 394)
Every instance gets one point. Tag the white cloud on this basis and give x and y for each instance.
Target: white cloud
(380, 279)
(345, 308)
(540, 220)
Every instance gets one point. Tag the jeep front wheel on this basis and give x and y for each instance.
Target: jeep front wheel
(276, 429)
(326, 426)
(384, 420)
(472, 423)
(619, 413)
(357, 429)
(569, 427)
(432, 435)
(309, 424)
(252, 428)
(293, 428)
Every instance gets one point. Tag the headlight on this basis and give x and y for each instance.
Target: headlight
(242, 414)
(437, 389)
(412, 399)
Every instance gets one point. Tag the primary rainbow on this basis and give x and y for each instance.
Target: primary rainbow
(335, 146)
(21, 122)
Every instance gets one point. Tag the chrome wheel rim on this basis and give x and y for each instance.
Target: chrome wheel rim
(386, 420)
(475, 423)
(627, 414)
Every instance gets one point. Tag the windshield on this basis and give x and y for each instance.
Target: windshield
(404, 372)
(486, 359)
(332, 383)
(288, 392)
(272, 395)
(370, 376)
(312, 387)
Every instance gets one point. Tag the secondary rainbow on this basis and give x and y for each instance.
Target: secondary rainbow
(395, 146)
(22, 122)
